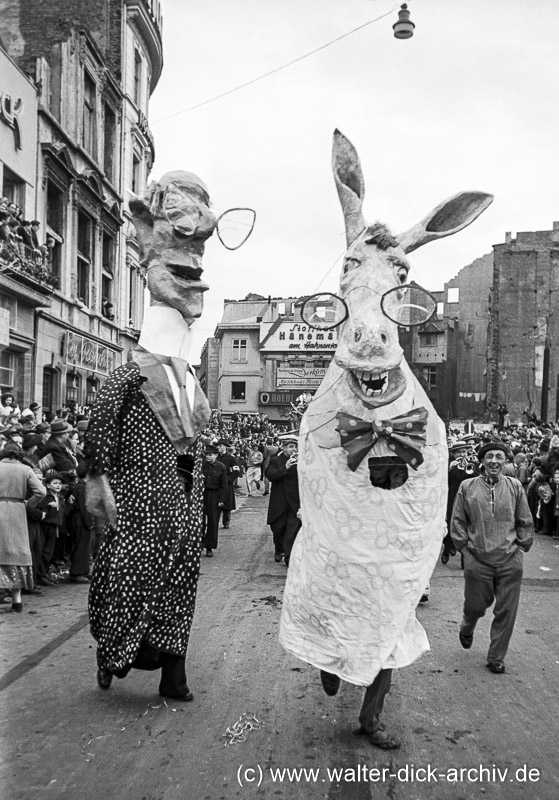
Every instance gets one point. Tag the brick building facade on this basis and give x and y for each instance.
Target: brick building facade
(93, 65)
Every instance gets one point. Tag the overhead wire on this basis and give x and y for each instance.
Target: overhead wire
(275, 70)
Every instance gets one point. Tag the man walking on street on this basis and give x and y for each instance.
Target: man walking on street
(232, 471)
(284, 499)
(492, 527)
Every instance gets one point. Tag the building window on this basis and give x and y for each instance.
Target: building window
(91, 388)
(86, 251)
(55, 227)
(108, 255)
(13, 188)
(107, 307)
(88, 131)
(281, 309)
(138, 70)
(73, 384)
(136, 175)
(6, 370)
(109, 143)
(430, 375)
(49, 384)
(453, 295)
(440, 309)
(239, 353)
(238, 390)
(429, 339)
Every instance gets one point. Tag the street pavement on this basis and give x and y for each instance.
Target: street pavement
(260, 725)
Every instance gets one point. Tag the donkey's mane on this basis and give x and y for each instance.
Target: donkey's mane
(379, 235)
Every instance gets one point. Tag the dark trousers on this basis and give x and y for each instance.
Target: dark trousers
(36, 543)
(211, 518)
(50, 534)
(80, 549)
(226, 512)
(173, 670)
(173, 675)
(484, 584)
(284, 531)
(373, 702)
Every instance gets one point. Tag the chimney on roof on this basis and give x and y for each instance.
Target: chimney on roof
(508, 237)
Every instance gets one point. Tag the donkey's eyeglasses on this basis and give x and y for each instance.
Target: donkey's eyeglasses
(408, 305)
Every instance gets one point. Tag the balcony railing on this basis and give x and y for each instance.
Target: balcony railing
(31, 265)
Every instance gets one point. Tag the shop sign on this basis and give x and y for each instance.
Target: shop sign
(10, 110)
(303, 378)
(279, 398)
(296, 336)
(87, 354)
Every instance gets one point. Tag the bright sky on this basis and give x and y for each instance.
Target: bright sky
(468, 103)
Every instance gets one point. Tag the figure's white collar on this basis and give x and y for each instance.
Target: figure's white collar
(165, 331)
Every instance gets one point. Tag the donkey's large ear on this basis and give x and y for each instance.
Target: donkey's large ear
(349, 182)
(447, 218)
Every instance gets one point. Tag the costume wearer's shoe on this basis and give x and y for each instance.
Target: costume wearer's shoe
(185, 697)
(104, 678)
(424, 598)
(209, 552)
(466, 641)
(496, 666)
(379, 738)
(330, 683)
(444, 558)
(278, 557)
(17, 607)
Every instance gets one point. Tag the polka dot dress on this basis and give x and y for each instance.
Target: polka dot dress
(145, 577)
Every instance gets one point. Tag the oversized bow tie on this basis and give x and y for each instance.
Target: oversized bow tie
(405, 436)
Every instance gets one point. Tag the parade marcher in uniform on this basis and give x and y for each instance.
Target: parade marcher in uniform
(215, 496)
(284, 505)
(492, 526)
(232, 471)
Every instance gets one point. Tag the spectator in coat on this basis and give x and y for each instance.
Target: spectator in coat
(232, 471)
(215, 496)
(284, 505)
(17, 483)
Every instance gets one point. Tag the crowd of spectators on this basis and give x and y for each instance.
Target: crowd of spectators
(63, 537)
(534, 460)
(20, 245)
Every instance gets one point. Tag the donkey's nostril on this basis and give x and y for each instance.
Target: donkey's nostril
(357, 335)
(383, 338)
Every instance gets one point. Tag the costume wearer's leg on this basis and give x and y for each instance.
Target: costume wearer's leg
(479, 592)
(173, 675)
(211, 511)
(373, 702)
(81, 546)
(507, 594)
(292, 527)
(278, 527)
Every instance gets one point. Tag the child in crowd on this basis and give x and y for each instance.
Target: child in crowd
(54, 507)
